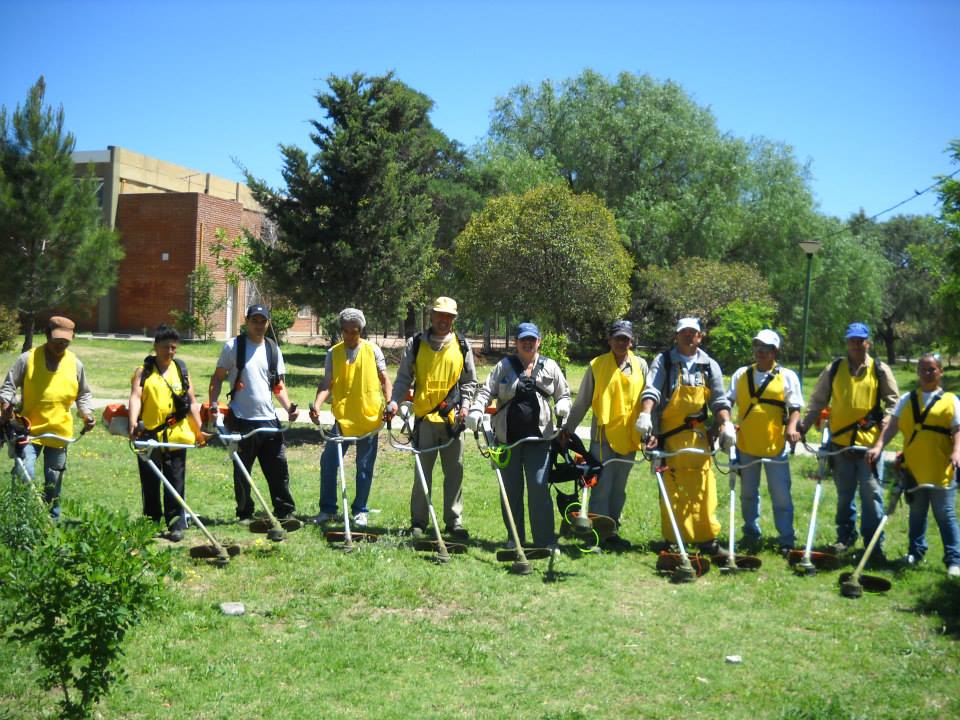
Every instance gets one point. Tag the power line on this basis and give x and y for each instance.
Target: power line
(916, 194)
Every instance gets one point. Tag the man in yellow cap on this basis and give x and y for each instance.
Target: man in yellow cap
(51, 379)
(438, 364)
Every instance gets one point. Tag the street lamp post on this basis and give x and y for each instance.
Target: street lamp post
(810, 248)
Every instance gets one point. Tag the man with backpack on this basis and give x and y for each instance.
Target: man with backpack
(611, 387)
(253, 365)
(51, 379)
(684, 386)
(861, 393)
(438, 364)
(768, 398)
(163, 407)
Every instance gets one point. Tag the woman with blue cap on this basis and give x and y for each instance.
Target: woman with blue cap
(522, 384)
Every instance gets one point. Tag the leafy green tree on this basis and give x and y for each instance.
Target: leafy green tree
(695, 287)
(912, 246)
(54, 249)
(547, 255)
(356, 222)
(948, 295)
(731, 339)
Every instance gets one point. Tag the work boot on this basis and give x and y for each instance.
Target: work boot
(712, 547)
(457, 531)
(416, 532)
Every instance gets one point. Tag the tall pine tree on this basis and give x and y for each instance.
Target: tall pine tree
(54, 248)
(355, 223)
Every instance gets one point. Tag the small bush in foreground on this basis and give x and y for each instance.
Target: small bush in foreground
(73, 593)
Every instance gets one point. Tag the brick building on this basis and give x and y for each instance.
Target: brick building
(168, 217)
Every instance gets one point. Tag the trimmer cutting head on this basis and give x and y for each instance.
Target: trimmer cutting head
(853, 588)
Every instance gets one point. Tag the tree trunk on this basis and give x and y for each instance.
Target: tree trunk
(28, 320)
(410, 321)
(889, 337)
(486, 336)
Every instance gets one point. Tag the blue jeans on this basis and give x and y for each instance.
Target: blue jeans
(530, 461)
(944, 506)
(852, 472)
(54, 465)
(778, 483)
(366, 458)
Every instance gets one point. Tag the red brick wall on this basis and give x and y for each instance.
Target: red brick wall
(149, 287)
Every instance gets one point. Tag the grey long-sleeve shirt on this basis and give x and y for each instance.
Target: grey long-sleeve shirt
(501, 385)
(406, 372)
(14, 380)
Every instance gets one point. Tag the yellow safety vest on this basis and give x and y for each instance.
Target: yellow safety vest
(47, 396)
(157, 406)
(927, 453)
(616, 401)
(761, 432)
(851, 400)
(436, 372)
(357, 397)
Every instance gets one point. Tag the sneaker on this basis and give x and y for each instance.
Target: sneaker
(615, 543)
(953, 571)
(785, 550)
(712, 547)
(510, 545)
(877, 559)
(457, 531)
(175, 536)
(245, 521)
(909, 560)
(416, 532)
(322, 518)
(360, 519)
(840, 547)
(554, 550)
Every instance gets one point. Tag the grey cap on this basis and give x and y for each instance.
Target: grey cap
(620, 327)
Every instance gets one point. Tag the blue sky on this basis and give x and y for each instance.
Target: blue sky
(865, 91)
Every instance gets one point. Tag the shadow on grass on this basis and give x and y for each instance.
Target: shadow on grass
(945, 602)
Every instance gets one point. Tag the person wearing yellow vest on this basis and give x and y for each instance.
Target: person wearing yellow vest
(444, 378)
(683, 385)
(611, 387)
(51, 379)
(768, 398)
(929, 419)
(152, 390)
(355, 379)
(860, 393)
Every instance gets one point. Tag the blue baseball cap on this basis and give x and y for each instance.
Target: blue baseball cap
(857, 330)
(525, 330)
(258, 310)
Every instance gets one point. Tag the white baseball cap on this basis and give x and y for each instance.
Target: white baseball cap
(688, 322)
(768, 337)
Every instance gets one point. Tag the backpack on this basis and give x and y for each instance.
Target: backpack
(523, 413)
(241, 361)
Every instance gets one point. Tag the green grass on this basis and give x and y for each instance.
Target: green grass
(384, 633)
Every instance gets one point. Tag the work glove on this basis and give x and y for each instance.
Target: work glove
(728, 435)
(562, 410)
(644, 425)
(473, 420)
(89, 422)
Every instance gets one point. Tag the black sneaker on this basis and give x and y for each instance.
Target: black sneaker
(416, 532)
(712, 547)
(457, 531)
(785, 550)
(840, 547)
(175, 536)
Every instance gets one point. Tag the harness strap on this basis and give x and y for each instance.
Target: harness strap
(755, 392)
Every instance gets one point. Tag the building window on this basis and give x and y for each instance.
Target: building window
(304, 313)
